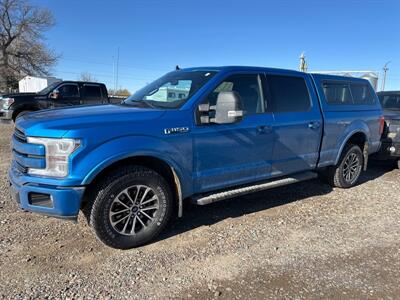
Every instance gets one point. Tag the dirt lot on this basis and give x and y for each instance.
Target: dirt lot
(303, 241)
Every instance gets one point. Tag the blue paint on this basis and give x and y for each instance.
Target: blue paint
(205, 157)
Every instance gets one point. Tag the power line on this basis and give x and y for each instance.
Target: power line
(108, 75)
(162, 68)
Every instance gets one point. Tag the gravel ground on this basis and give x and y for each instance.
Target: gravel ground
(303, 241)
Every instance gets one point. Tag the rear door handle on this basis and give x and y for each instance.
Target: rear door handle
(314, 125)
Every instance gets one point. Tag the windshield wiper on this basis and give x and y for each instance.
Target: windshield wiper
(139, 103)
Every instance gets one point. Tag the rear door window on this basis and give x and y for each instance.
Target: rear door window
(92, 91)
(287, 94)
(337, 93)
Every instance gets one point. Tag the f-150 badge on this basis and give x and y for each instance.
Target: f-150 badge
(176, 130)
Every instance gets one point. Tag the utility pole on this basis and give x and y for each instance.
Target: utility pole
(113, 72)
(385, 69)
(303, 64)
(116, 80)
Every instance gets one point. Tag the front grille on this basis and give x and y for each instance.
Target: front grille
(21, 168)
(19, 135)
(26, 155)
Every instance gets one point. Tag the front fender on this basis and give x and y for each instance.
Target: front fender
(96, 160)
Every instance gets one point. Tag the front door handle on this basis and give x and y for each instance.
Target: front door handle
(314, 125)
(263, 129)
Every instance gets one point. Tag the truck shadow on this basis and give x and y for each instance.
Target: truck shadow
(197, 216)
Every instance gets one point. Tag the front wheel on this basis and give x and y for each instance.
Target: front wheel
(398, 164)
(131, 207)
(348, 171)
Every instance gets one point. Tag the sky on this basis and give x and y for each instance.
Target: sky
(153, 36)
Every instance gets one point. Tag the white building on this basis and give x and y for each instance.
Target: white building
(31, 84)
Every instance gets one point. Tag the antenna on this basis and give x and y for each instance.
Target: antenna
(116, 79)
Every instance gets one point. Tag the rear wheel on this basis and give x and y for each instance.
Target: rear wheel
(131, 207)
(348, 171)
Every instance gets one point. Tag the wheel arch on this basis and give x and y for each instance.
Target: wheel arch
(165, 168)
(359, 138)
(24, 107)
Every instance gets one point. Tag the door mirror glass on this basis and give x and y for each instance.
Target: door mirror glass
(227, 110)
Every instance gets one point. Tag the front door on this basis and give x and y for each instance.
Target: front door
(297, 123)
(233, 154)
(68, 95)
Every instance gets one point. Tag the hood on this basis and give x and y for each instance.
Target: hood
(392, 115)
(57, 122)
(18, 95)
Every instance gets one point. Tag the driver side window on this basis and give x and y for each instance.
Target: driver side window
(69, 91)
(249, 89)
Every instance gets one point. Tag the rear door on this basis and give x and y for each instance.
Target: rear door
(232, 154)
(297, 122)
(91, 94)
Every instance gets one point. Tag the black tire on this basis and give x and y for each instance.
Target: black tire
(126, 185)
(337, 175)
(398, 164)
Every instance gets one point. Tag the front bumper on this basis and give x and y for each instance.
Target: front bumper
(62, 202)
(6, 114)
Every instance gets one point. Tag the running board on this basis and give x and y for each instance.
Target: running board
(210, 198)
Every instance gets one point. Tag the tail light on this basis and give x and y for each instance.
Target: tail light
(381, 124)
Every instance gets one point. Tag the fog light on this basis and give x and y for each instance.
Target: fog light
(392, 149)
(38, 199)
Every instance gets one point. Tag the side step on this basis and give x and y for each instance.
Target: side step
(210, 198)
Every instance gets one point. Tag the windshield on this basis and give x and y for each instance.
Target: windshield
(48, 89)
(170, 91)
(390, 102)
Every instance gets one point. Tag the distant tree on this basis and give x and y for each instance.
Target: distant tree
(119, 92)
(86, 76)
(22, 48)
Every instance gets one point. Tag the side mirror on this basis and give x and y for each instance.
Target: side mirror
(228, 109)
(55, 94)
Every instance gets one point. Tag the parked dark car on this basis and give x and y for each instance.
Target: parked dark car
(59, 94)
(390, 149)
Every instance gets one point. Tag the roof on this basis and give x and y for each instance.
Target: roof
(238, 68)
(83, 82)
(266, 69)
(388, 92)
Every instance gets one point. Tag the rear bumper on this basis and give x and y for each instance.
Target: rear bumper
(6, 114)
(60, 202)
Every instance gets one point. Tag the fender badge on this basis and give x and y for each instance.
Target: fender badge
(176, 130)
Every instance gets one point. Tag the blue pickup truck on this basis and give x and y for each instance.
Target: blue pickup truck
(197, 134)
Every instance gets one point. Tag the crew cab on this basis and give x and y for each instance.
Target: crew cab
(58, 94)
(236, 130)
(390, 149)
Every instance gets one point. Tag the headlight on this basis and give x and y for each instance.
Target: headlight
(7, 102)
(394, 129)
(58, 152)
